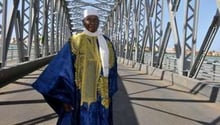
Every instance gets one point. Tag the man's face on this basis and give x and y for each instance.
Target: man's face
(91, 23)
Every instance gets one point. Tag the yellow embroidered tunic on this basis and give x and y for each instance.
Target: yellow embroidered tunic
(88, 68)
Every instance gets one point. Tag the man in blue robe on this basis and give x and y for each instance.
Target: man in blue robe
(80, 81)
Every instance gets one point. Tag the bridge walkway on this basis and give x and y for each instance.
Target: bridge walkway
(141, 100)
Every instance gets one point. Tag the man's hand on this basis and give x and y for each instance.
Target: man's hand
(67, 107)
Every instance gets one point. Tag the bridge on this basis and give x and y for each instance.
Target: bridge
(155, 87)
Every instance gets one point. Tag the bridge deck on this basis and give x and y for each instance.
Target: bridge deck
(141, 100)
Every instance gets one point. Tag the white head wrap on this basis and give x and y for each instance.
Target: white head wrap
(88, 12)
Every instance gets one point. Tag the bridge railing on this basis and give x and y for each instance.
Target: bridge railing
(12, 56)
(210, 70)
(170, 63)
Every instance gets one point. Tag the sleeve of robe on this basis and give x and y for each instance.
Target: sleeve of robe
(56, 82)
(113, 84)
(113, 75)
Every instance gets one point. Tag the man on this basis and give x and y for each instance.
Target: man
(80, 81)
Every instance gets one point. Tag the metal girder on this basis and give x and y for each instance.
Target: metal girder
(210, 35)
(107, 1)
(20, 44)
(139, 33)
(173, 21)
(3, 42)
(132, 32)
(30, 22)
(144, 44)
(175, 4)
(32, 19)
(52, 33)
(127, 19)
(218, 5)
(8, 30)
(35, 31)
(188, 50)
(163, 46)
(1, 10)
(104, 6)
(58, 28)
(140, 22)
(45, 28)
(122, 29)
(117, 32)
(158, 31)
(25, 41)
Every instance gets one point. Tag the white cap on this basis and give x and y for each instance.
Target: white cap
(88, 12)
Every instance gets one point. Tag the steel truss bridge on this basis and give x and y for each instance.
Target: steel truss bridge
(33, 31)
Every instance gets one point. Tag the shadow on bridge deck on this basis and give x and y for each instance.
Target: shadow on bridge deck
(141, 100)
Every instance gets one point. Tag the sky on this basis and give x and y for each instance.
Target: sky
(207, 11)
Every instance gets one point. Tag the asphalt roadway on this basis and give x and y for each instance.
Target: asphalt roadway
(141, 100)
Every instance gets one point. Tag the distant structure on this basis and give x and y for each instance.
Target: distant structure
(210, 53)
